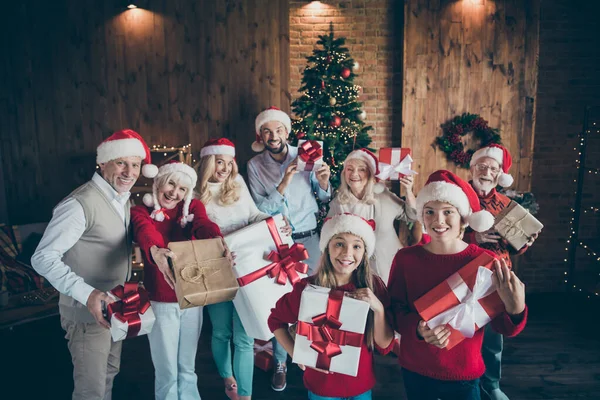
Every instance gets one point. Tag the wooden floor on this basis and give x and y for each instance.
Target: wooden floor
(556, 357)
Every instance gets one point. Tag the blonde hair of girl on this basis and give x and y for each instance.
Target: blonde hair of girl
(230, 190)
(362, 277)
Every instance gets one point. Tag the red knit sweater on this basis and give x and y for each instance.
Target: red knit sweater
(148, 232)
(415, 271)
(494, 202)
(333, 384)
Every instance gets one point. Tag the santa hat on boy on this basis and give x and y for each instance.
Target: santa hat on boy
(218, 146)
(447, 187)
(502, 157)
(372, 162)
(126, 143)
(268, 115)
(349, 223)
(151, 200)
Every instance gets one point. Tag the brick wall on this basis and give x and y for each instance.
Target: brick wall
(374, 39)
(569, 79)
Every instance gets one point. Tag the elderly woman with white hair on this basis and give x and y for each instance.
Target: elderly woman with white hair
(360, 194)
(171, 214)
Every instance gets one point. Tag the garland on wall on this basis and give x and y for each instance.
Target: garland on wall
(451, 140)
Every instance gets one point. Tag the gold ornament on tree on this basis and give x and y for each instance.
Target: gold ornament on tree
(332, 101)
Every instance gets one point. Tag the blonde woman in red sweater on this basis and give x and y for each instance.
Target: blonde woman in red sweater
(445, 206)
(171, 214)
(347, 242)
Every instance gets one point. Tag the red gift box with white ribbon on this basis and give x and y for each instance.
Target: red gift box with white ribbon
(394, 163)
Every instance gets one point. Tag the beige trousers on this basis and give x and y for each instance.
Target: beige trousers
(96, 359)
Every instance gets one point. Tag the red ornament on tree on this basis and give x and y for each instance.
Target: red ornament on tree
(300, 135)
(328, 59)
(345, 73)
(322, 84)
(335, 121)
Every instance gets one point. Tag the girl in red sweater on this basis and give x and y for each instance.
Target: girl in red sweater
(347, 241)
(170, 214)
(445, 206)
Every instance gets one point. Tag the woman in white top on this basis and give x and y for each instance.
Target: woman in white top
(229, 205)
(360, 194)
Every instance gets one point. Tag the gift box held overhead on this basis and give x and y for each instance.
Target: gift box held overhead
(267, 265)
(516, 225)
(131, 315)
(330, 330)
(310, 155)
(202, 274)
(263, 354)
(394, 163)
(465, 302)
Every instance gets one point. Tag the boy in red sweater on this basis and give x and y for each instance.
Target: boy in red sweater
(489, 168)
(347, 242)
(444, 206)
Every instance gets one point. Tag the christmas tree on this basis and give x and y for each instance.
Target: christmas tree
(328, 109)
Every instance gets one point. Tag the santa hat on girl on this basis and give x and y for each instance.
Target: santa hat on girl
(372, 162)
(502, 157)
(126, 143)
(268, 115)
(349, 223)
(151, 200)
(447, 187)
(218, 146)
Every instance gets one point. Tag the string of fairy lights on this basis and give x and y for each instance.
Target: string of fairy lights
(573, 241)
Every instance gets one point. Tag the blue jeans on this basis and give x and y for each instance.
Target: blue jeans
(363, 396)
(173, 344)
(491, 351)
(419, 387)
(227, 325)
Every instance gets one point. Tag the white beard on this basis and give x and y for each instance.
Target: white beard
(485, 187)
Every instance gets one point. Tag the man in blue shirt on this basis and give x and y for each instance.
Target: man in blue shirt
(277, 186)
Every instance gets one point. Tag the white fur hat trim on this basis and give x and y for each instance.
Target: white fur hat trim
(347, 223)
(113, 149)
(219, 149)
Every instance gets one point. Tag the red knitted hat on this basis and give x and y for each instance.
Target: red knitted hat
(447, 187)
(502, 157)
(218, 146)
(126, 143)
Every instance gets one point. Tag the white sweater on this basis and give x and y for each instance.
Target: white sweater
(384, 211)
(235, 216)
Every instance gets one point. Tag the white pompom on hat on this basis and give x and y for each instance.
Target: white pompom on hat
(126, 143)
(349, 223)
(447, 187)
(372, 162)
(502, 156)
(151, 200)
(268, 115)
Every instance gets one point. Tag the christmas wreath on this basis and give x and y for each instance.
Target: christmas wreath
(450, 142)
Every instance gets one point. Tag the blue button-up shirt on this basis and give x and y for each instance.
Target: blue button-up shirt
(298, 202)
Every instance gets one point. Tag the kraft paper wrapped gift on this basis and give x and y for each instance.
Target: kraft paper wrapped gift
(465, 302)
(267, 264)
(330, 330)
(516, 225)
(202, 274)
(394, 163)
(310, 155)
(131, 314)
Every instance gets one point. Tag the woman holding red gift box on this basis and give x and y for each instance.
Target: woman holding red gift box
(347, 242)
(229, 204)
(445, 206)
(360, 194)
(170, 214)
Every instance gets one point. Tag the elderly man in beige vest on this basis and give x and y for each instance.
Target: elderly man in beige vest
(86, 251)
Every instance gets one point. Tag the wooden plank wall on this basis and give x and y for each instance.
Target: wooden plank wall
(477, 56)
(178, 72)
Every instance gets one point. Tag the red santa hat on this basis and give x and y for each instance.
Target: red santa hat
(126, 143)
(268, 115)
(502, 157)
(151, 200)
(218, 146)
(447, 187)
(372, 162)
(349, 223)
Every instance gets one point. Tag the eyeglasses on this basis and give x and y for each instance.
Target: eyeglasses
(484, 167)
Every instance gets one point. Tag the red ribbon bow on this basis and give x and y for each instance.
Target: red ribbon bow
(133, 302)
(325, 332)
(310, 152)
(285, 261)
